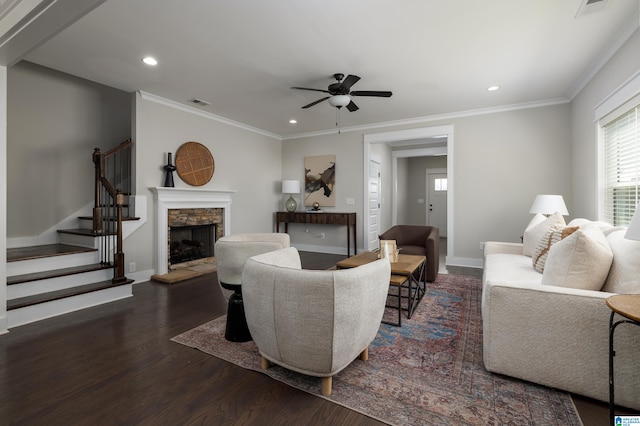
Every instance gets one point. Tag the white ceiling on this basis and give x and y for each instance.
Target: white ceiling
(436, 56)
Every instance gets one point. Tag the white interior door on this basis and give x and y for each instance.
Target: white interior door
(373, 196)
(437, 201)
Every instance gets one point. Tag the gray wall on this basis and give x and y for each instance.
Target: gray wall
(245, 161)
(54, 123)
(502, 161)
(622, 66)
(402, 191)
(417, 187)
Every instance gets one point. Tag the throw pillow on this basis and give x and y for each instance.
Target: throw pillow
(582, 260)
(536, 230)
(624, 277)
(605, 227)
(552, 236)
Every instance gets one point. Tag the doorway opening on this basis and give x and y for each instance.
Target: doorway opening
(402, 146)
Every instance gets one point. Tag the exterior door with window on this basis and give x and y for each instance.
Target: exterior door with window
(437, 201)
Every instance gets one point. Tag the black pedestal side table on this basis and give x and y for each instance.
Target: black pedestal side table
(628, 307)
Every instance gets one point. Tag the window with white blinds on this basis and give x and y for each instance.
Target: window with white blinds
(621, 167)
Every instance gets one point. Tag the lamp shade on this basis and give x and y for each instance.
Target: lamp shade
(290, 186)
(549, 204)
(633, 231)
(339, 100)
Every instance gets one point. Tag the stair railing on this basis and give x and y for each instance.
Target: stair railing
(112, 187)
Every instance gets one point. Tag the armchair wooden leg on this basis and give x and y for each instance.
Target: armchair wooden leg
(326, 385)
(364, 355)
(265, 364)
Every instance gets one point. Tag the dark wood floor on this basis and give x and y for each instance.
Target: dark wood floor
(115, 364)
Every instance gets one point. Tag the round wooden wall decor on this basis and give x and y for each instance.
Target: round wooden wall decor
(194, 163)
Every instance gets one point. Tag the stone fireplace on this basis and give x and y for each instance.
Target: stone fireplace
(192, 234)
(199, 216)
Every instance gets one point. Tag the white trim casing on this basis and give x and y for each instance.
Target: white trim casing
(186, 198)
(446, 131)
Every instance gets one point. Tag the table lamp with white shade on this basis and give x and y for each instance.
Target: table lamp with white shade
(549, 204)
(633, 231)
(291, 187)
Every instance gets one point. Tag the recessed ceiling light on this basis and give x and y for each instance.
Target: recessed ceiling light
(293, 121)
(493, 88)
(149, 60)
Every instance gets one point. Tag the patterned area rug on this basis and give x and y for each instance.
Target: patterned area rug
(427, 372)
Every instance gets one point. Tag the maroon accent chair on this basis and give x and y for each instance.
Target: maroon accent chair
(419, 240)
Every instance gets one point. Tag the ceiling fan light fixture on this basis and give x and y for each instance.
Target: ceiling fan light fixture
(339, 101)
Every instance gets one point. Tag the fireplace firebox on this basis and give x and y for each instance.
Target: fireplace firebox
(188, 243)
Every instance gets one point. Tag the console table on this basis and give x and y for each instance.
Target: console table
(321, 218)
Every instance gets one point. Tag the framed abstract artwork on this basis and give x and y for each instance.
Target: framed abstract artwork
(320, 180)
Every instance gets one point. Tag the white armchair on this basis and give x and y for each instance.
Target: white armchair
(309, 321)
(231, 252)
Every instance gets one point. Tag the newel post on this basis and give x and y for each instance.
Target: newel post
(97, 211)
(119, 256)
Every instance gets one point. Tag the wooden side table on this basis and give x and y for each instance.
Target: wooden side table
(402, 272)
(628, 307)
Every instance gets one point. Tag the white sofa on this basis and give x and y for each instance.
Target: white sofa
(544, 328)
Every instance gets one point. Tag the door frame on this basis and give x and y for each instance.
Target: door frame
(408, 135)
(376, 159)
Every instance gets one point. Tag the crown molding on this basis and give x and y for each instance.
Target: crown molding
(431, 118)
(408, 122)
(191, 110)
(625, 33)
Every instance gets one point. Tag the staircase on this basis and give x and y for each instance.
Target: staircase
(86, 266)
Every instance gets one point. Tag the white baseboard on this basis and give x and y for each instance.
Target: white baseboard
(465, 262)
(3, 325)
(140, 276)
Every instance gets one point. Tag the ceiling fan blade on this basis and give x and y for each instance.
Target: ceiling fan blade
(381, 94)
(316, 102)
(313, 90)
(348, 82)
(352, 107)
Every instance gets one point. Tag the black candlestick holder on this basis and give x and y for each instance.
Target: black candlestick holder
(169, 169)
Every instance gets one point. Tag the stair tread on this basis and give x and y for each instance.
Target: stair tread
(45, 250)
(84, 232)
(61, 294)
(43, 275)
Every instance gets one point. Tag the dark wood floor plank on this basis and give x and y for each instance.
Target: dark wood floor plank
(114, 364)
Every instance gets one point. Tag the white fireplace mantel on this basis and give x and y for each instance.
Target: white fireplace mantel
(186, 198)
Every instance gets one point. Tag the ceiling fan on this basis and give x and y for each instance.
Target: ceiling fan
(340, 94)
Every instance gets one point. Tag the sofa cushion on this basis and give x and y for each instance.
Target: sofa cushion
(510, 268)
(581, 260)
(624, 276)
(552, 236)
(536, 230)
